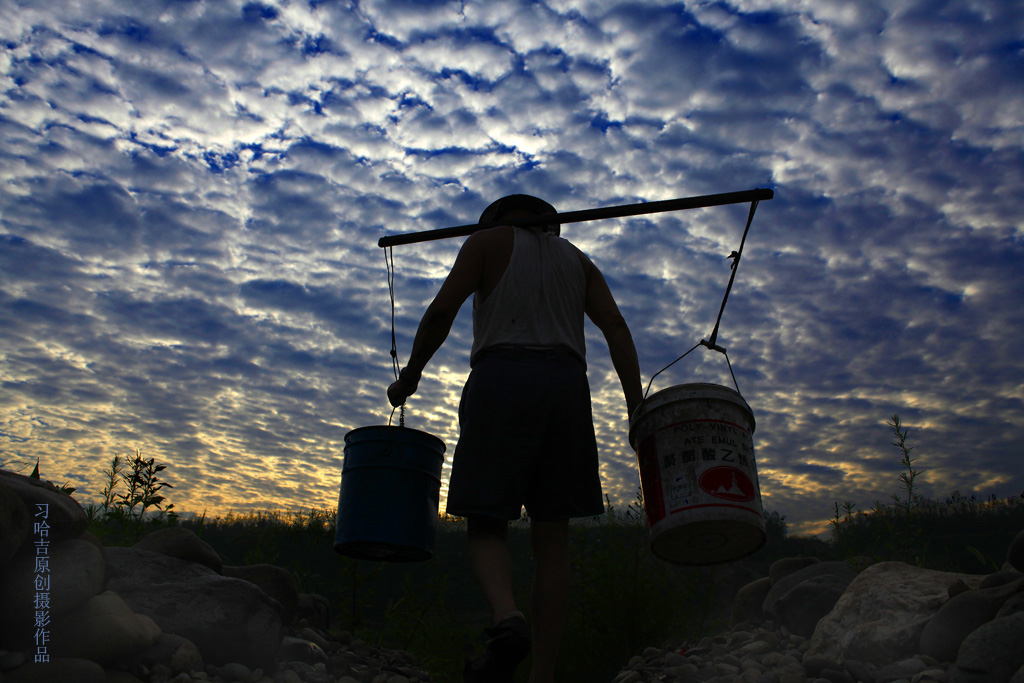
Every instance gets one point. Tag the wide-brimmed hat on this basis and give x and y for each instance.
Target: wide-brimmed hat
(514, 202)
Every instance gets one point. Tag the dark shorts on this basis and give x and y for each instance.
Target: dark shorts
(526, 438)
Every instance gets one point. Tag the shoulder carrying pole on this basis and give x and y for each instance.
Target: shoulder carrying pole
(586, 215)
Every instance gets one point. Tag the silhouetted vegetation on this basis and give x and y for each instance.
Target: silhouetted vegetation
(960, 534)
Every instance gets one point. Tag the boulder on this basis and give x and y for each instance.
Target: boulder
(229, 620)
(315, 609)
(1001, 578)
(747, 605)
(880, 616)
(958, 587)
(788, 565)
(278, 583)
(14, 523)
(943, 634)
(75, 574)
(992, 653)
(65, 516)
(803, 606)
(1013, 605)
(825, 582)
(1015, 552)
(183, 544)
(103, 630)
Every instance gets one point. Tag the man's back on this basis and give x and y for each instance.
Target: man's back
(537, 300)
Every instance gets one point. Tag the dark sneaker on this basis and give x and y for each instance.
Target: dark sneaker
(505, 646)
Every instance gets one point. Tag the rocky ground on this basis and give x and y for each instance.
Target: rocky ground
(307, 655)
(169, 610)
(766, 653)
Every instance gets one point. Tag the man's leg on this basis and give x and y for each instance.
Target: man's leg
(491, 563)
(550, 595)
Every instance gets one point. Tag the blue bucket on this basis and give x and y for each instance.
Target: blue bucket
(390, 491)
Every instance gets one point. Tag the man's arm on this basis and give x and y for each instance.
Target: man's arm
(463, 280)
(604, 313)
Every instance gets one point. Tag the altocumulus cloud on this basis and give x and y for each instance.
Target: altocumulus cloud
(191, 195)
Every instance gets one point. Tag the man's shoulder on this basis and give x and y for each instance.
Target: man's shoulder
(489, 235)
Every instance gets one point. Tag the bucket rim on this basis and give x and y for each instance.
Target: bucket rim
(388, 431)
(671, 394)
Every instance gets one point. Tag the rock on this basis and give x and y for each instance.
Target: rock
(859, 670)
(805, 604)
(1001, 578)
(15, 523)
(837, 676)
(76, 572)
(77, 670)
(827, 581)
(904, 669)
(119, 676)
(183, 544)
(956, 588)
(315, 609)
(1015, 553)
(960, 616)
(788, 565)
(235, 671)
(992, 653)
(300, 650)
(11, 660)
(786, 583)
(278, 583)
(1013, 605)
(746, 606)
(880, 616)
(229, 620)
(103, 630)
(813, 666)
(178, 654)
(315, 636)
(86, 536)
(65, 516)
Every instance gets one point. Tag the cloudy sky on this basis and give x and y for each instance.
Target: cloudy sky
(191, 194)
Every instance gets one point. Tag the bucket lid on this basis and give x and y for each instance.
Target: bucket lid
(393, 433)
(683, 392)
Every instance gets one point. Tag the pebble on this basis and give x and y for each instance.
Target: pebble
(768, 653)
(348, 661)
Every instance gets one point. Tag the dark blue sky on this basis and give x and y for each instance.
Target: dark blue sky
(191, 194)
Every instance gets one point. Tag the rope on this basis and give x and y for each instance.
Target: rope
(712, 343)
(735, 264)
(389, 261)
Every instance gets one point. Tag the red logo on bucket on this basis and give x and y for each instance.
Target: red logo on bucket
(728, 483)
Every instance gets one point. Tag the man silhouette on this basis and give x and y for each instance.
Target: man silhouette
(526, 427)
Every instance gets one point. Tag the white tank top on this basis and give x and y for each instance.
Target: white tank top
(539, 301)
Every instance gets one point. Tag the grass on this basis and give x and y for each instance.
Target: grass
(959, 533)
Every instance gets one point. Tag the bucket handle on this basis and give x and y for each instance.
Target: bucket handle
(703, 342)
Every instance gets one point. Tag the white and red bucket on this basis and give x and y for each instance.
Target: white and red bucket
(696, 454)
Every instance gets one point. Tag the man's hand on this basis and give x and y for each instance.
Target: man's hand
(403, 387)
